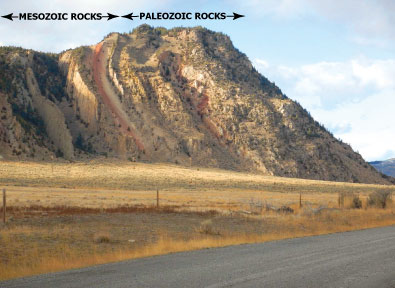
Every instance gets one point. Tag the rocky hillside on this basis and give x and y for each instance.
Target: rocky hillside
(185, 95)
(386, 167)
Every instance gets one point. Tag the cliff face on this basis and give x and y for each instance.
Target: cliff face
(85, 104)
(183, 96)
(53, 118)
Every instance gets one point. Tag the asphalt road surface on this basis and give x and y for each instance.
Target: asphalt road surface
(352, 259)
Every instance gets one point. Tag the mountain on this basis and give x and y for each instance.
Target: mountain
(386, 167)
(184, 95)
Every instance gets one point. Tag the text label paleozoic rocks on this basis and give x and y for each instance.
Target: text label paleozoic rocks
(182, 16)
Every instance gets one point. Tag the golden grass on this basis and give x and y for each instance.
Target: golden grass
(142, 177)
(103, 185)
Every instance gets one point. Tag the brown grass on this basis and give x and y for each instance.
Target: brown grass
(71, 250)
(64, 215)
(36, 210)
(349, 200)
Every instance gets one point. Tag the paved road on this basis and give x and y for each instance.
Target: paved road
(353, 259)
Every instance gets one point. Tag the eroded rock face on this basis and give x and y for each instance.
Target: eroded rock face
(53, 118)
(85, 100)
(182, 96)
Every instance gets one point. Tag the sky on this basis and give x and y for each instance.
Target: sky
(335, 57)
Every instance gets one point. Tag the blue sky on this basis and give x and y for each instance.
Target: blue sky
(336, 58)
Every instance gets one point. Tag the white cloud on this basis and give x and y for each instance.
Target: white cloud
(333, 82)
(369, 124)
(355, 99)
(262, 63)
(379, 72)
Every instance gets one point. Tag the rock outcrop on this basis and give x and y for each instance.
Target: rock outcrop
(53, 118)
(85, 102)
(185, 95)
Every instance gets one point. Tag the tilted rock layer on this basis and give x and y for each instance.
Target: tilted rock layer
(183, 96)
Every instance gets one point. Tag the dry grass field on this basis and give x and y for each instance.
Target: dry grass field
(67, 215)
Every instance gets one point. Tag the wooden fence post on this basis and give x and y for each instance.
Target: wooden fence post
(157, 198)
(300, 200)
(4, 206)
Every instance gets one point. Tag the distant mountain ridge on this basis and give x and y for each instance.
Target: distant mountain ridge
(184, 95)
(386, 167)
